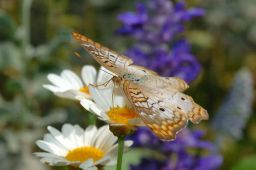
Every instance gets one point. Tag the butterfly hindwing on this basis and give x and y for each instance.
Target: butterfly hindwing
(170, 88)
(164, 111)
(163, 119)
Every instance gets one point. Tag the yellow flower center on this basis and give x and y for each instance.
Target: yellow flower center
(84, 89)
(84, 153)
(121, 115)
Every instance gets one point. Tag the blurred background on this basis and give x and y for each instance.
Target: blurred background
(214, 44)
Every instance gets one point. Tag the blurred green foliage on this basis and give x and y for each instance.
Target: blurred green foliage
(35, 40)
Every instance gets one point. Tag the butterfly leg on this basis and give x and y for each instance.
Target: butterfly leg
(103, 84)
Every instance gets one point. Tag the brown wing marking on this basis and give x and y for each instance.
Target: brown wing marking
(197, 113)
(186, 104)
(166, 128)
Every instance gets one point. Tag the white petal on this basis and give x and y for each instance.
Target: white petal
(103, 160)
(67, 129)
(92, 107)
(119, 101)
(102, 115)
(50, 139)
(104, 75)
(79, 134)
(128, 143)
(59, 137)
(100, 135)
(55, 161)
(70, 94)
(113, 151)
(87, 164)
(47, 155)
(49, 147)
(72, 78)
(51, 88)
(91, 168)
(112, 161)
(59, 81)
(89, 75)
(105, 139)
(108, 142)
(102, 97)
(68, 132)
(88, 104)
(89, 133)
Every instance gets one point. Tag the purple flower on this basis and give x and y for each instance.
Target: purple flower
(189, 150)
(148, 164)
(188, 162)
(185, 139)
(133, 21)
(211, 162)
(157, 28)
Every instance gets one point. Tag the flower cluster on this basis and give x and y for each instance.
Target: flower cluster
(236, 108)
(189, 151)
(157, 28)
(96, 99)
(91, 148)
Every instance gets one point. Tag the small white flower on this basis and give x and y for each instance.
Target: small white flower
(77, 147)
(69, 85)
(111, 106)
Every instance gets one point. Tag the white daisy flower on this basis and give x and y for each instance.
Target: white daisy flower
(74, 146)
(69, 85)
(111, 107)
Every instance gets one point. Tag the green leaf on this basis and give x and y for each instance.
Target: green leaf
(10, 57)
(7, 27)
(246, 163)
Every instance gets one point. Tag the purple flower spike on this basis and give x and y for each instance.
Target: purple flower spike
(176, 155)
(159, 24)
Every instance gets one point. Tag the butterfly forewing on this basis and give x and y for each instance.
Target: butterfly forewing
(167, 83)
(117, 63)
(108, 58)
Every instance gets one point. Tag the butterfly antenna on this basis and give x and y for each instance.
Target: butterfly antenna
(78, 55)
(113, 104)
(107, 72)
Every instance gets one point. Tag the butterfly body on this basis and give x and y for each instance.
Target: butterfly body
(135, 78)
(158, 100)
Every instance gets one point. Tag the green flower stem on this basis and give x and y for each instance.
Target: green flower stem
(92, 119)
(120, 152)
(73, 168)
